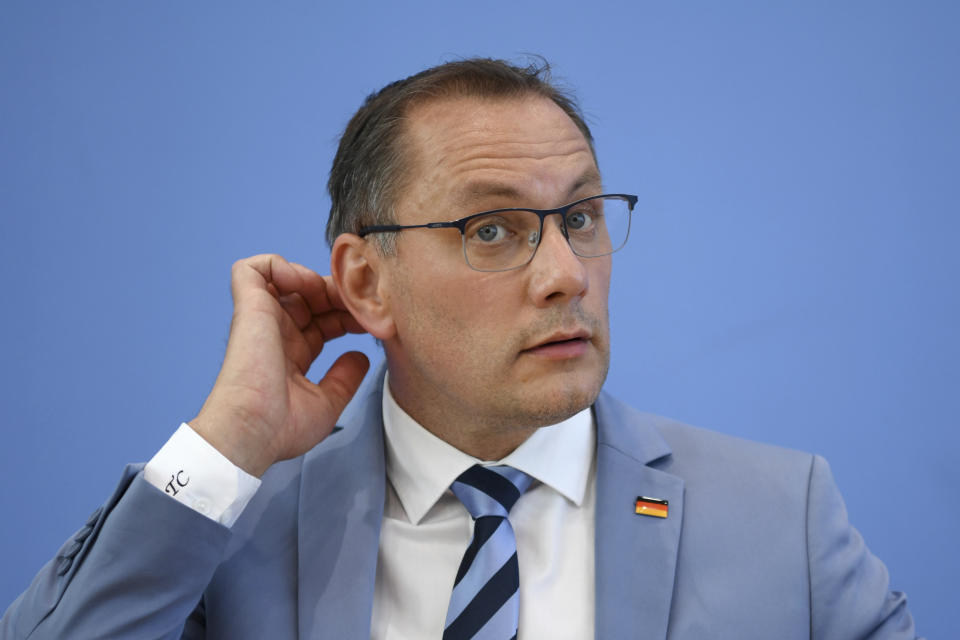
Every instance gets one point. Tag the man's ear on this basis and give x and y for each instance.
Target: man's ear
(356, 268)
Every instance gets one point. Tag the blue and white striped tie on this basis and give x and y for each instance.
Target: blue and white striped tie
(486, 601)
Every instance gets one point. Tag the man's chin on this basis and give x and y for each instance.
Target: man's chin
(560, 401)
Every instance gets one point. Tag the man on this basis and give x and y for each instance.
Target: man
(611, 523)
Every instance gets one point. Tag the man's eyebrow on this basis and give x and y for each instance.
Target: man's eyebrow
(484, 189)
(481, 189)
(589, 178)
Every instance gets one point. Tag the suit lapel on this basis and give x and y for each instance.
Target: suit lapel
(636, 555)
(341, 509)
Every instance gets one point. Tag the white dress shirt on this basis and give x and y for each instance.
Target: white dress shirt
(190, 470)
(426, 529)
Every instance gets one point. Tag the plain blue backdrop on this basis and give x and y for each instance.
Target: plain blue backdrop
(792, 275)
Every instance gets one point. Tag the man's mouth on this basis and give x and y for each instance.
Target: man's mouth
(561, 346)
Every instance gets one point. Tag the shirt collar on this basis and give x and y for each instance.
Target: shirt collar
(421, 467)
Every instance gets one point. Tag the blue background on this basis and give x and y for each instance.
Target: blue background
(791, 277)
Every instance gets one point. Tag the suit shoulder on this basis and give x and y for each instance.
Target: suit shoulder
(697, 443)
(716, 464)
(698, 454)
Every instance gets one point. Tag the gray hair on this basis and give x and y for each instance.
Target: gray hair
(369, 170)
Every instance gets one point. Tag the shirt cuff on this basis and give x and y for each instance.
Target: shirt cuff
(190, 470)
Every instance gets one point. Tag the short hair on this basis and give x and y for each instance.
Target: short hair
(369, 169)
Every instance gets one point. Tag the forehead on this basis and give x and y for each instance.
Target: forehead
(474, 151)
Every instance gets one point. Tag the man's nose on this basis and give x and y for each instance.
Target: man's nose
(557, 272)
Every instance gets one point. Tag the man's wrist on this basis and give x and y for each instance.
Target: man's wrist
(253, 459)
(194, 472)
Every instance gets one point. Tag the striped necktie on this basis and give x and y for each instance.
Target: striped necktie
(486, 602)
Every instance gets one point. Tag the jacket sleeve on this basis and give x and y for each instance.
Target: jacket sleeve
(137, 569)
(850, 593)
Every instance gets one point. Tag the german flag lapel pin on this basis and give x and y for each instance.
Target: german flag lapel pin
(654, 507)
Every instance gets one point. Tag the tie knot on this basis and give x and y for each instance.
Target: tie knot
(490, 491)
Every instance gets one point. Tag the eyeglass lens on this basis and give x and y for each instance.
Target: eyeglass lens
(508, 239)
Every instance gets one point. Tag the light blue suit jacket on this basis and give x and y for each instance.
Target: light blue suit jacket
(756, 545)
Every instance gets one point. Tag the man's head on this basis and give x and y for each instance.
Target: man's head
(482, 358)
(371, 168)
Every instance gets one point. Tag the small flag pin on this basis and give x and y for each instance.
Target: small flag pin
(652, 507)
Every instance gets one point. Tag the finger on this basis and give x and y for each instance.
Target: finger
(322, 296)
(296, 308)
(333, 292)
(328, 327)
(350, 324)
(256, 273)
(342, 380)
(335, 324)
(319, 291)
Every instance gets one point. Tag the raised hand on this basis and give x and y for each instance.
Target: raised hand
(263, 408)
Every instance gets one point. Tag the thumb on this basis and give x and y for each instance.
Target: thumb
(342, 380)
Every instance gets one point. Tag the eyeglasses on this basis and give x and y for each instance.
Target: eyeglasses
(505, 239)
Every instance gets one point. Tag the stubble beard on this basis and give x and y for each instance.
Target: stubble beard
(514, 405)
(571, 395)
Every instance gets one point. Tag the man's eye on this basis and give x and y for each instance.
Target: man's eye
(580, 220)
(490, 233)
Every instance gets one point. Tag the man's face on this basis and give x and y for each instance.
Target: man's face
(514, 349)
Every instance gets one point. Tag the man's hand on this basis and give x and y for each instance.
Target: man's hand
(263, 408)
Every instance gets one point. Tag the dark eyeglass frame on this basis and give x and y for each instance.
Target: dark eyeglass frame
(461, 225)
